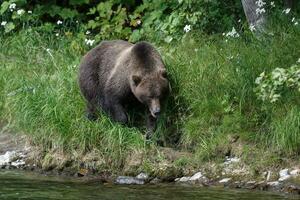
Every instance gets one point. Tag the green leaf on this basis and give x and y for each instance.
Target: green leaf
(78, 2)
(4, 7)
(67, 13)
(135, 36)
(168, 39)
(9, 27)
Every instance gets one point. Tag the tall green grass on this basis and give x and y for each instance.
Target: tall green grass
(212, 79)
(215, 77)
(40, 97)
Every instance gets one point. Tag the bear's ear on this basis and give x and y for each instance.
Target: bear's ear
(136, 79)
(163, 73)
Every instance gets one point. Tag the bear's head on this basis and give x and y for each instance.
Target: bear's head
(151, 90)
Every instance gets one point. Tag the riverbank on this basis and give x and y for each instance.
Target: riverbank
(17, 153)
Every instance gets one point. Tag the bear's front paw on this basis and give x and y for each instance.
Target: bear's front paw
(91, 116)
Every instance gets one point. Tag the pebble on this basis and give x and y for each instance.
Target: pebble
(283, 172)
(225, 180)
(7, 158)
(295, 172)
(284, 175)
(128, 180)
(184, 179)
(18, 163)
(143, 176)
(231, 160)
(197, 176)
(273, 183)
(155, 181)
(283, 178)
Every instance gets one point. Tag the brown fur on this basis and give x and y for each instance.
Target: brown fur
(115, 70)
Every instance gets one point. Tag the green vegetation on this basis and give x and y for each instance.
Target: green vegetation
(216, 92)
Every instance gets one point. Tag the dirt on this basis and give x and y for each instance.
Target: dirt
(11, 142)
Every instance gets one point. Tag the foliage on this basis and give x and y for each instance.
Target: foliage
(126, 19)
(270, 86)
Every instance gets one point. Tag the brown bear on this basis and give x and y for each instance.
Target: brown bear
(115, 71)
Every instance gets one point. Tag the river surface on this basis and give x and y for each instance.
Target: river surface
(25, 185)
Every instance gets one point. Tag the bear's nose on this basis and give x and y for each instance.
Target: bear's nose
(156, 111)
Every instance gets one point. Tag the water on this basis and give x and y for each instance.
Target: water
(24, 185)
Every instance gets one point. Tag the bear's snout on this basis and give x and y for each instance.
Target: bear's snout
(155, 108)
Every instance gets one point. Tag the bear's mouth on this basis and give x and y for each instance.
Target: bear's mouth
(155, 115)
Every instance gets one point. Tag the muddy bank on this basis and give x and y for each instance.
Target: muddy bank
(16, 152)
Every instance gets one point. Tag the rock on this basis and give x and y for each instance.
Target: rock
(251, 185)
(273, 183)
(295, 172)
(283, 172)
(18, 163)
(251, 182)
(8, 157)
(143, 176)
(231, 160)
(225, 180)
(196, 176)
(284, 175)
(155, 181)
(292, 189)
(184, 179)
(128, 180)
(283, 178)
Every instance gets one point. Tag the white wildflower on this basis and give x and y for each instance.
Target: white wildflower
(232, 33)
(3, 23)
(279, 76)
(260, 78)
(296, 23)
(20, 12)
(239, 21)
(286, 11)
(59, 22)
(272, 4)
(87, 32)
(260, 3)
(29, 12)
(138, 22)
(274, 98)
(252, 27)
(57, 34)
(77, 21)
(187, 28)
(48, 50)
(12, 7)
(89, 42)
(260, 11)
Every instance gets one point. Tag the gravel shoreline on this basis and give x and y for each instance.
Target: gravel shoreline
(15, 153)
